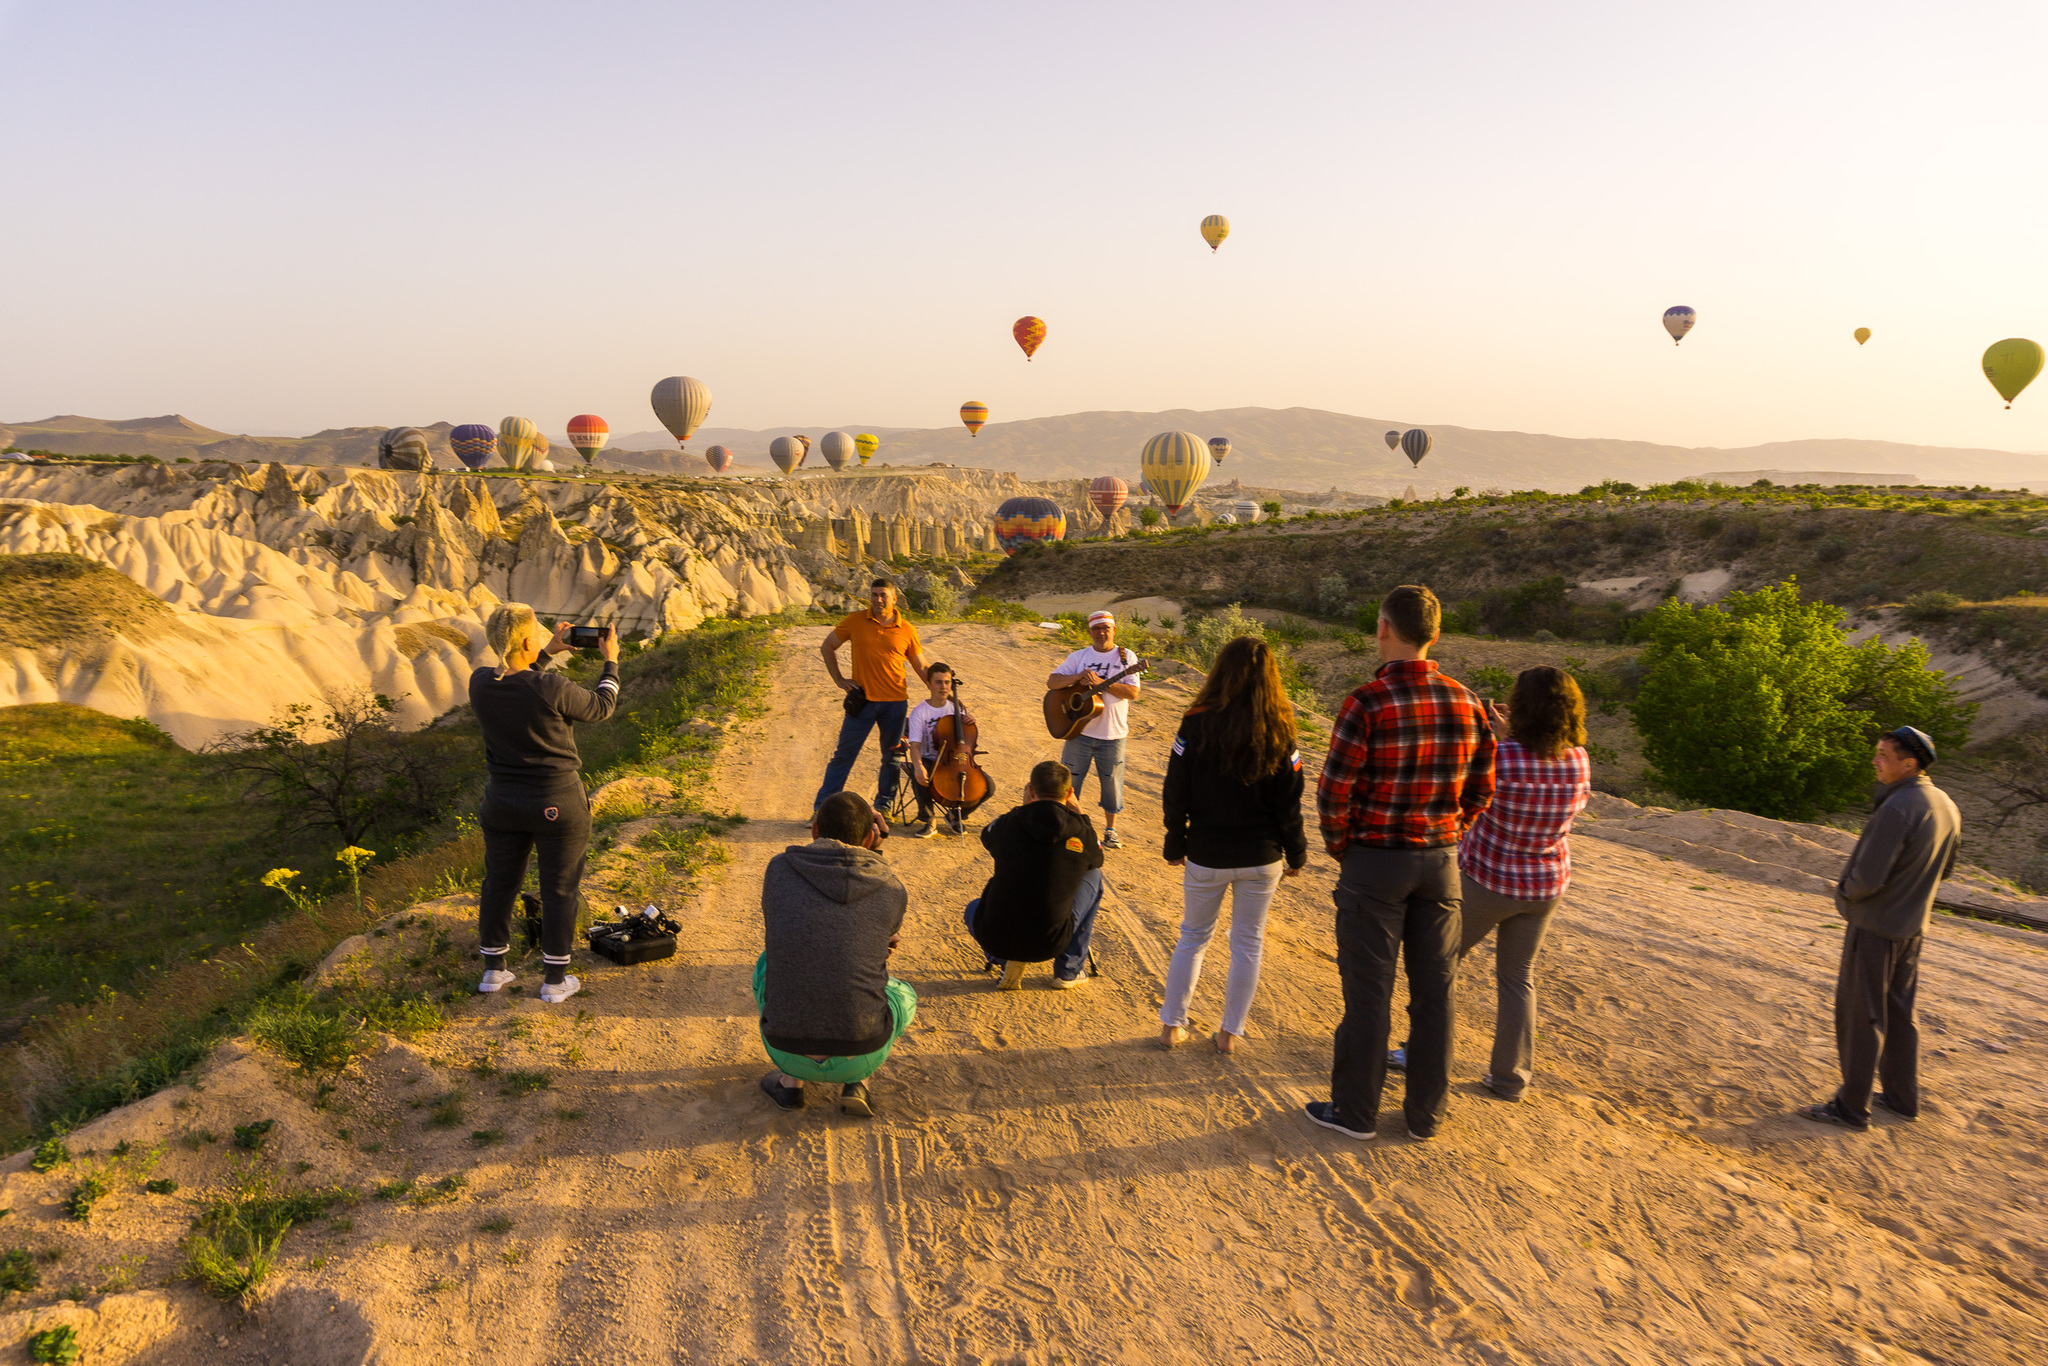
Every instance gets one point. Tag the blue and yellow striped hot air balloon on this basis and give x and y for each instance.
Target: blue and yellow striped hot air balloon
(516, 441)
(1027, 521)
(1175, 464)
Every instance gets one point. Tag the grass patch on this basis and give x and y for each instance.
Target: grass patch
(249, 1137)
(18, 1271)
(236, 1236)
(163, 1185)
(50, 1155)
(60, 1345)
(497, 1223)
(447, 1112)
(487, 1138)
(90, 1190)
(442, 1192)
(524, 1083)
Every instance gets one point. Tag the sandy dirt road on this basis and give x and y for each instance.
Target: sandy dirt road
(1044, 1184)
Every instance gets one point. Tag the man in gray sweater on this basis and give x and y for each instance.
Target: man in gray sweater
(831, 911)
(1887, 895)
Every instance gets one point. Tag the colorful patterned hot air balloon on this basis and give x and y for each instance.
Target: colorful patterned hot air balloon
(788, 452)
(1029, 332)
(588, 433)
(515, 442)
(682, 404)
(1108, 494)
(1214, 229)
(404, 448)
(1862, 335)
(1026, 521)
(837, 448)
(1219, 446)
(474, 444)
(973, 414)
(1678, 320)
(1415, 444)
(1176, 463)
(2011, 365)
(719, 458)
(867, 443)
(1394, 440)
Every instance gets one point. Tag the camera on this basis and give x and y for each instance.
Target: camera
(586, 637)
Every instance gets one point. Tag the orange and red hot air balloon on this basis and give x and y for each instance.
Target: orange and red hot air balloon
(588, 433)
(1029, 332)
(973, 414)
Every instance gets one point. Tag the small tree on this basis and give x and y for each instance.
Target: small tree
(1762, 704)
(1333, 595)
(1149, 516)
(1270, 508)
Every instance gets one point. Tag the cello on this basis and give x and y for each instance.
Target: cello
(957, 780)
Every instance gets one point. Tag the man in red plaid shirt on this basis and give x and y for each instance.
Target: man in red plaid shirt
(1410, 767)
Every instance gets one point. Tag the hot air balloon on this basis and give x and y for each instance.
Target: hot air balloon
(867, 444)
(1219, 446)
(681, 403)
(837, 448)
(1108, 494)
(1678, 320)
(1415, 444)
(787, 453)
(973, 414)
(2011, 365)
(539, 458)
(474, 444)
(404, 448)
(1027, 521)
(1394, 440)
(1247, 511)
(719, 458)
(588, 433)
(1214, 229)
(1862, 335)
(1029, 332)
(1226, 519)
(1176, 463)
(515, 442)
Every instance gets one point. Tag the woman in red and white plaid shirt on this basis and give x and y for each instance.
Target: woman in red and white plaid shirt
(1516, 860)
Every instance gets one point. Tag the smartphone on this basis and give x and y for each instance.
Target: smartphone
(586, 637)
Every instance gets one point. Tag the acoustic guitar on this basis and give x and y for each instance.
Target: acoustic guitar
(1070, 708)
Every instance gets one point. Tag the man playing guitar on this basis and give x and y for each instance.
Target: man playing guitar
(1101, 741)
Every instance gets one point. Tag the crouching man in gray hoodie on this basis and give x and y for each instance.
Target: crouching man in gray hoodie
(832, 909)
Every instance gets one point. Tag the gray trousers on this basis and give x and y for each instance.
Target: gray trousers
(1396, 905)
(1877, 1030)
(1521, 925)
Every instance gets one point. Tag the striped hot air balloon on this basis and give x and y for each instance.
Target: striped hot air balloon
(867, 443)
(1247, 511)
(1214, 229)
(719, 458)
(1415, 444)
(788, 452)
(1176, 463)
(1027, 521)
(682, 403)
(588, 433)
(1219, 446)
(1678, 320)
(474, 444)
(1108, 494)
(837, 448)
(515, 442)
(1394, 440)
(404, 448)
(973, 414)
(1029, 332)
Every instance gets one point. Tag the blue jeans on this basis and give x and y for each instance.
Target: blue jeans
(1073, 959)
(853, 733)
(1108, 758)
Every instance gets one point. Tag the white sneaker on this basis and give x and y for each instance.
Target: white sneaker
(497, 981)
(556, 992)
(1069, 983)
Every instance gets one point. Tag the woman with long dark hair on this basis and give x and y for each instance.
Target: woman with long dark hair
(1516, 860)
(1233, 822)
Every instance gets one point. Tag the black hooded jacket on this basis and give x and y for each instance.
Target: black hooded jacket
(1027, 909)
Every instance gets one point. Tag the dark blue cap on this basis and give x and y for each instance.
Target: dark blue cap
(1917, 744)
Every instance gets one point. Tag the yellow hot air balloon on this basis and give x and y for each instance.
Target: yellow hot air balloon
(1214, 229)
(1862, 335)
(2011, 365)
(515, 442)
(973, 414)
(1175, 464)
(867, 444)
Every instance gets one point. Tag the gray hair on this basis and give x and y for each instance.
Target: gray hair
(508, 628)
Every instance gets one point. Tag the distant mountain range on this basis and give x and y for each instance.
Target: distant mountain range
(1299, 448)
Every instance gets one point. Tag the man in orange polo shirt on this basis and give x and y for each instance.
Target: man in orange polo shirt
(883, 642)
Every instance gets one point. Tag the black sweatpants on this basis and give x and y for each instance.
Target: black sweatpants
(1390, 901)
(517, 822)
(1877, 1033)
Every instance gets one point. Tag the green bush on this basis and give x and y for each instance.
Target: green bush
(1149, 517)
(60, 1345)
(1208, 634)
(1933, 605)
(1760, 703)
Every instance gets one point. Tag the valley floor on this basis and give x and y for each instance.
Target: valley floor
(1044, 1184)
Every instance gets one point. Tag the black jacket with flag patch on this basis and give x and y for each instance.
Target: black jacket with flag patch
(1214, 821)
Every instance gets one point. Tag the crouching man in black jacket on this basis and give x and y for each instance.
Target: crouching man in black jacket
(1041, 901)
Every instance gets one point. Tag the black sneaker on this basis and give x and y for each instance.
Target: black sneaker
(921, 831)
(1831, 1112)
(1886, 1101)
(855, 1100)
(785, 1097)
(1326, 1113)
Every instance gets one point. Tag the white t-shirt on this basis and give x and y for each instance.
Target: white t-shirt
(917, 728)
(1115, 721)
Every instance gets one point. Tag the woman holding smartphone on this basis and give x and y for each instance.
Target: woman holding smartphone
(533, 798)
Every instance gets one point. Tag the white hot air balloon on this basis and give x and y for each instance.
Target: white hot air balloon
(682, 404)
(838, 449)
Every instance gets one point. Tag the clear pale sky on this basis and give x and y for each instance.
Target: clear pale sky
(281, 217)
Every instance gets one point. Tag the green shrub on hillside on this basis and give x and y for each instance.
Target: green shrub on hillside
(1761, 703)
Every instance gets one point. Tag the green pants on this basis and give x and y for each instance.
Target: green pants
(839, 1071)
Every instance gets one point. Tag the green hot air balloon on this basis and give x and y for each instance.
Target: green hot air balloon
(2011, 365)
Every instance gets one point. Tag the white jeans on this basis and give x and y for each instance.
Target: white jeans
(1202, 901)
